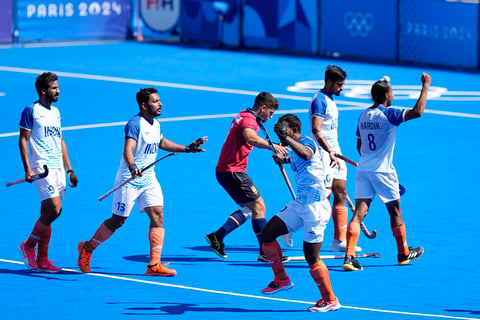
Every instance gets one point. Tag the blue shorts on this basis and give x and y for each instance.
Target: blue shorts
(239, 186)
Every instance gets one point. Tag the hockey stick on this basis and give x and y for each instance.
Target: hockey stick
(330, 257)
(33, 178)
(282, 169)
(132, 178)
(362, 225)
(286, 238)
(401, 188)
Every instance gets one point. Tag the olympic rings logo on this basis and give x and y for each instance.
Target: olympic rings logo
(359, 24)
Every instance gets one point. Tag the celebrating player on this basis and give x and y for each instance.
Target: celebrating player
(311, 210)
(41, 133)
(231, 172)
(324, 129)
(376, 135)
(143, 138)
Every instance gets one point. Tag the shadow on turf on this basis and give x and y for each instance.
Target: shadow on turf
(462, 310)
(37, 274)
(169, 308)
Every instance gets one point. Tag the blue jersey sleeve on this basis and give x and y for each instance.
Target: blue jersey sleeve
(26, 119)
(394, 115)
(132, 129)
(318, 106)
(308, 142)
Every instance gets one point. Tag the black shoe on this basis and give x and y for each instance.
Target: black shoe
(351, 264)
(414, 253)
(263, 258)
(217, 246)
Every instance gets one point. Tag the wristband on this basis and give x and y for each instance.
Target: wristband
(69, 171)
(132, 167)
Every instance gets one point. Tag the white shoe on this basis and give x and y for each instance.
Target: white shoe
(287, 239)
(341, 246)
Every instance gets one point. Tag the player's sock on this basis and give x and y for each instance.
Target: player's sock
(319, 273)
(155, 237)
(43, 243)
(400, 234)
(234, 221)
(353, 233)
(38, 229)
(100, 236)
(257, 225)
(273, 253)
(340, 218)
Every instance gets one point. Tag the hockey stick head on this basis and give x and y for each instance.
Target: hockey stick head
(40, 175)
(372, 235)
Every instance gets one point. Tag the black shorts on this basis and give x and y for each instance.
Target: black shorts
(239, 186)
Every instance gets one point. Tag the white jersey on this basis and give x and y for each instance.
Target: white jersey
(377, 128)
(45, 142)
(309, 174)
(148, 137)
(324, 106)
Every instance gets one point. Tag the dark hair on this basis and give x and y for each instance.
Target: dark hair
(144, 95)
(265, 98)
(335, 74)
(379, 91)
(292, 120)
(44, 80)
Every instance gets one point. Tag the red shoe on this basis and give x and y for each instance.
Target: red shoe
(325, 306)
(277, 285)
(28, 255)
(159, 269)
(46, 265)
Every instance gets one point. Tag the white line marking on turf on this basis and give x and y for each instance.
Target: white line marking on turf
(204, 88)
(177, 286)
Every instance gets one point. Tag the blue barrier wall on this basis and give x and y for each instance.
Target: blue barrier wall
(359, 28)
(281, 24)
(211, 21)
(439, 32)
(59, 20)
(435, 32)
(6, 15)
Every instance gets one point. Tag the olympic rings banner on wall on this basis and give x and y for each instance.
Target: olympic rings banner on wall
(72, 20)
(439, 32)
(6, 12)
(359, 28)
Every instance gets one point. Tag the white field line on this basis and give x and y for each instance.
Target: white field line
(100, 275)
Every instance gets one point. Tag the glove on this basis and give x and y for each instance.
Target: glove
(195, 145)
(73, 178)
(281, 131)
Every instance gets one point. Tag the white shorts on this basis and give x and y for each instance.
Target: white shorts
(53, 185)
(125, 197)
(333, 173)
(368, 184)
(313, 217)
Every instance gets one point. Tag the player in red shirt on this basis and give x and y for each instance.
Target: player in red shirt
(231, 172)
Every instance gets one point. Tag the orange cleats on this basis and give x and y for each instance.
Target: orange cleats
(46, 265)
(84, 258)
(160, 270)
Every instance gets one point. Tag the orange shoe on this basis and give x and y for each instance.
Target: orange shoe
(84, 258)
(160, 270)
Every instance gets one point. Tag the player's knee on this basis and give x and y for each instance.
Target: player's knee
(115, 222)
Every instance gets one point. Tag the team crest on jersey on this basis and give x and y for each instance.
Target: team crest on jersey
(254, 190)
